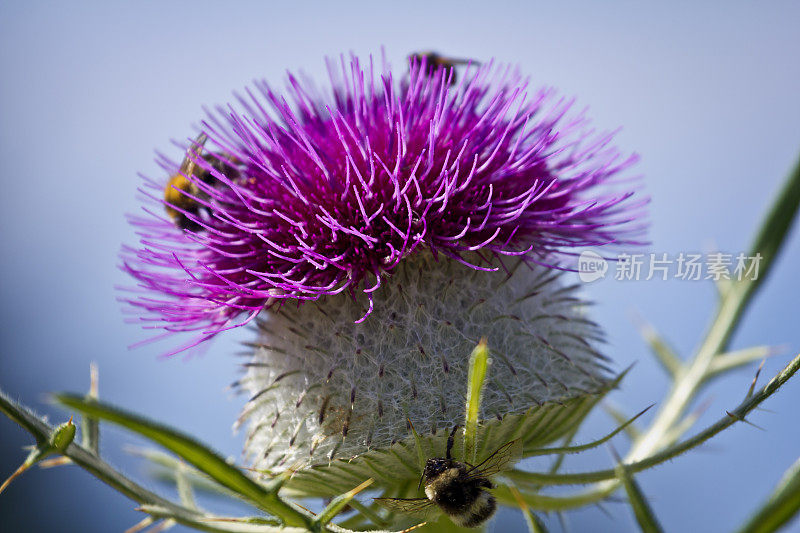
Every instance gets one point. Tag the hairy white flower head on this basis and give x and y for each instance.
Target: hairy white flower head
(323, 386)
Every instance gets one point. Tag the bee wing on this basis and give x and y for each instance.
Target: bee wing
(194, 151)
(502, 459)
(421, 507)
(462, 61)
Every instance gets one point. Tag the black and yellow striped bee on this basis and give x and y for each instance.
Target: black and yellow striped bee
(459, 490)
(434, 61)
(182, 196)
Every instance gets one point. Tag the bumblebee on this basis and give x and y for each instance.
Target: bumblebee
(459, 490)
(183, 198)
(434, 61)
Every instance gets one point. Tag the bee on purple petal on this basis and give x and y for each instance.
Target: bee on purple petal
(432, 62)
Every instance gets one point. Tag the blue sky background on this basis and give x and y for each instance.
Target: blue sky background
(708, 95)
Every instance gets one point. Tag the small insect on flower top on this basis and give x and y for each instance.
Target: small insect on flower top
(457, 488)
(433, 61)
(184, 198)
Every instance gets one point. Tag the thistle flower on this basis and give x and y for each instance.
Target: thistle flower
(331, 194)
(381, 232)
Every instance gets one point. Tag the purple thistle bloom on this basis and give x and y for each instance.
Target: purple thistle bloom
(329, 194)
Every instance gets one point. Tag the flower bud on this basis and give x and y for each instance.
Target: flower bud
(323, 386)
(63, 436)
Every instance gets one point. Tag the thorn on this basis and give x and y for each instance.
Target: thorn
(666, 356)
(741, 419)
(614, 454)
(412, 528)
(562, 520)
(13, 476)
(55, 461)
(93, 380)
(163, 525)
(602, 508)
(755, 378)
(140, 525)
(306, 509)
(352, 492)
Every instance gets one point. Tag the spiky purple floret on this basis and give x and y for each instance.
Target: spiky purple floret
(334, 192)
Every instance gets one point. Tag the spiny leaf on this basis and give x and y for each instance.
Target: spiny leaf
(730, 418)
(421, 458)
(776, 225)
(90, 462)
(621, 418)
(535, 428)
(535, 525)
(782, 505)
(367, 512)
(590, 445)
(194, 453)
(666, 356)
(165, 465)
(339, 503)
(731, 360)
(549, 503)
(641, 509)
(212, 523)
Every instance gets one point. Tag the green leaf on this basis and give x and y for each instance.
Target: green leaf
(619, 417)
(220, 524)
(90, 462)
(164, 467)
(421, 457)
(338, 504)
(184, 487)
(641, 509)
(365, 513)
(194, 453)
(90, 427)
(664, 353)
(590, 445)
(735, 359)
(535, 525)
(731, 417)
(781, 507)
(776, 225)
(478, 368)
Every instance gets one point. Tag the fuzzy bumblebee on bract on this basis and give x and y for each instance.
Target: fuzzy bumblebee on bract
(378, 232)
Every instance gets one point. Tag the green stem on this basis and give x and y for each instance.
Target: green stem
(100, 469)
(768, 242)
(737, 415)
